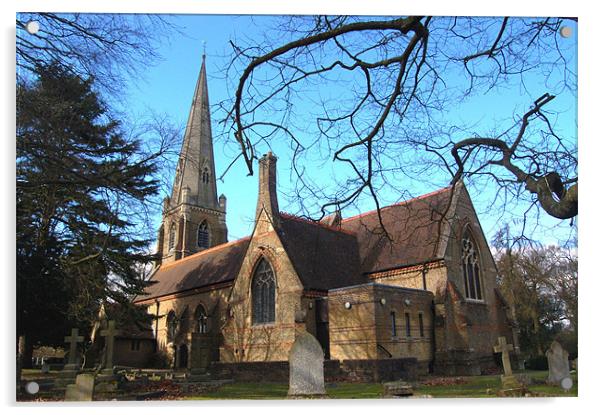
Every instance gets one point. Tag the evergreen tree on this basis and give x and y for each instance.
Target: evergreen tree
(79, 182)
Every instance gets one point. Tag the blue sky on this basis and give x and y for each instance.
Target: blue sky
(168, 86)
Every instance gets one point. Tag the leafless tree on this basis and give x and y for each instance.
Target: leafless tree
(108, 47)
(372, 96)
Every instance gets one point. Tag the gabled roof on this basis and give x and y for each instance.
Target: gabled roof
(413, 226)
(219, 264)
(323, 257)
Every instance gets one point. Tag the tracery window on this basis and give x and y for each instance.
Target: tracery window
(172, 237)
(171, 326)
(263, 292)
(203, 235)
(471, 268)
(201, 320)
(205, 175)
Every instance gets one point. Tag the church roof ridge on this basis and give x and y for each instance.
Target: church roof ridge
(403, 202)
(297, 218)
(205, 251)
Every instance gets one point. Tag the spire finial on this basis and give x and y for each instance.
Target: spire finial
(204, 48)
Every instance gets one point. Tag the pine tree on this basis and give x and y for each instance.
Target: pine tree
(79, 180)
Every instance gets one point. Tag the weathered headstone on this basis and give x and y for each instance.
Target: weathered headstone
(73, 340)
(109, 334)
(82, 390)
(71, 369)
(397, 389)
(199, 356)
(306, 366)
(508, 380)
(558, 363)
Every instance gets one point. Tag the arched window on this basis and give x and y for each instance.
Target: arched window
(172, 237)
(171, 326)
(263, 292)
(205, 175)
(201, 320)
(471, 267)
(203, 235)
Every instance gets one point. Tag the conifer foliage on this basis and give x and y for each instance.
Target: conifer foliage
(81, 186)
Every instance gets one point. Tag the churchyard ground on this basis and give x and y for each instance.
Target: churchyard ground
(436, 387)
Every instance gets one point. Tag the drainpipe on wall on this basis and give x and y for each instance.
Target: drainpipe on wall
(433, 344)
(155, 347)
(184, 237)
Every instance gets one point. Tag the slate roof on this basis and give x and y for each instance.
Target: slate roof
(215, 265)
(126, 323)
(413, 226)
(325, 257)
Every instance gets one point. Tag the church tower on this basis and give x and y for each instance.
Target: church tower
(193, 217)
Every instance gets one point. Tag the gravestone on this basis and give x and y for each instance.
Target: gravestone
(73, 340)
(82, 390)
(508, 380)
(558, 363)
(306, 366)
(71, 369)
(109, 334)
(199, 359)
(108, 380)
(397, 389)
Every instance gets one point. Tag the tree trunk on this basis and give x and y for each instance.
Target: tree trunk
(25, 352)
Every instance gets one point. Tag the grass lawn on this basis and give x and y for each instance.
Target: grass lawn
(30, 374)
(477, 387)
(280, 390)
(437, 387)
(472, 387)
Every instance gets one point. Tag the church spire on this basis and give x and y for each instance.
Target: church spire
(195, 175)
(194, 218)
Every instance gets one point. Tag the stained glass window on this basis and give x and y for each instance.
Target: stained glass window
(172, 237)
(263, 292)
(470, 268)
(203, 235)
(171, 326)
(201, 319)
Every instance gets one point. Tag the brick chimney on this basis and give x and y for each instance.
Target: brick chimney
(267, 199)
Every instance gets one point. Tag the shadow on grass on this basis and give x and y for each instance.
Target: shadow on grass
(474, 387)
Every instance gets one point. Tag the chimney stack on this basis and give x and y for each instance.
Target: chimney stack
(267, 199)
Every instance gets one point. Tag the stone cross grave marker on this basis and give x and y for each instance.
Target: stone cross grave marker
(558, 363)
(73, 340)
(306, 366)
(508, 380)
(109, 333)
(504, 348)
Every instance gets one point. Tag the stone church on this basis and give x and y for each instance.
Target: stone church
(427, 294)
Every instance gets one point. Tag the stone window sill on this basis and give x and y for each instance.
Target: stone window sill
(270, 324)
(475, 301)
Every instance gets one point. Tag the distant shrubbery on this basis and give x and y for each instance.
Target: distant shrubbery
(537, 363)
(159, 360)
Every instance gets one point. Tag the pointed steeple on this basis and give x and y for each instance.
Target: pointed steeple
(194, 218)
(195, 174)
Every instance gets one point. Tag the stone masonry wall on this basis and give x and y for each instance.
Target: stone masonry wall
(375, 370)
(245, 341)
(365, 331)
